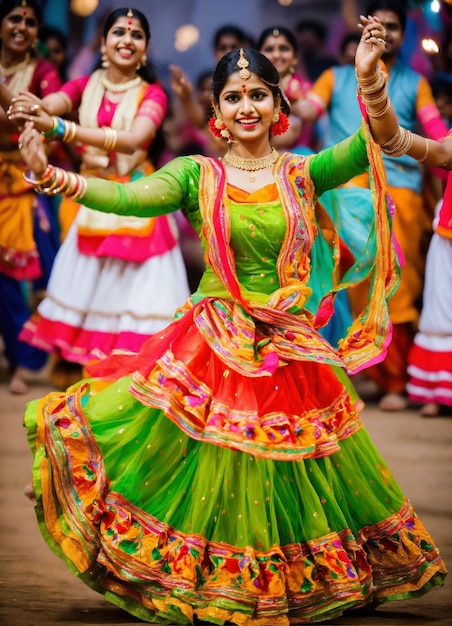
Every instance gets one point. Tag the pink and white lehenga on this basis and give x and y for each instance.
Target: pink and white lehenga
(116, 279)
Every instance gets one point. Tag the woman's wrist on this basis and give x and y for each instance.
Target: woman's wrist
(39, 177)
(55, 180)
(62, 130)
(373, 92)
(364, 75)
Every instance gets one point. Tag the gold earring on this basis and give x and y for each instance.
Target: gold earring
(104, 59)
(275, 116)
(219, 123)
(221, 126)
(142, 63)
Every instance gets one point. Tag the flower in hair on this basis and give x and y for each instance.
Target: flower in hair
(281, 125)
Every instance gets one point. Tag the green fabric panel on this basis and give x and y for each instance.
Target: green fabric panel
(231, 496)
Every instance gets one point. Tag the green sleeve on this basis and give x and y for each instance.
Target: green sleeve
(334, 166)
(170, 188)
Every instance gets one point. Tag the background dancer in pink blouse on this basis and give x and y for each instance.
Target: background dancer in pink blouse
(116, 280)
(280, 47)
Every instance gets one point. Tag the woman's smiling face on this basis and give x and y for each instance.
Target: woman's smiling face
(19, 30)
(126, 42)
(280, 52)
(247, 107)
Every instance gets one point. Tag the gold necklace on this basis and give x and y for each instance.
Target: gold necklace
(251, 165)
(9, 71)
(120, 87)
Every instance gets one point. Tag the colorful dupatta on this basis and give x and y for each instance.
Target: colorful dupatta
(291, 331)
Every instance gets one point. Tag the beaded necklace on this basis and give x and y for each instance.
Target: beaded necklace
(251, 165)
(120, 87)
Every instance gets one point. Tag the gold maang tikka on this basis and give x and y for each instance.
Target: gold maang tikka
(243, 63)
(130, 13)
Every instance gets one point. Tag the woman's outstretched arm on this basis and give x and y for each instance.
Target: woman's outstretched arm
(381, 117)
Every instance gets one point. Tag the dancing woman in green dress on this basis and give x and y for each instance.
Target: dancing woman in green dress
(223, 474)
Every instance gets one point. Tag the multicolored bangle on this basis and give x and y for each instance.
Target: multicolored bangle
(46, 176)
(62, 130)
(57, 180)
(57, 131)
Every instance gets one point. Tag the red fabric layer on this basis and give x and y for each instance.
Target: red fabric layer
(30, 270)
(74, 344)
(301, 410)
(431, 376)
(429, 361)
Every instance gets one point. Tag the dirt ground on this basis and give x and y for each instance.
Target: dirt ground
(36, 588)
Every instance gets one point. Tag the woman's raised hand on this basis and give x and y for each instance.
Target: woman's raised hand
(33, 150)
(180, 83)
(371, 46)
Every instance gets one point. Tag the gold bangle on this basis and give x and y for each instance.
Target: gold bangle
(377, 99)
(370, 81)
(78, 186)
(70, 184)
(381, 112)
(399, 144)
(111, 137)
(373, 84)
(422, 158)
(55, 182)
(63, 183)
(107, 137)
(70, 128)
(114, 137)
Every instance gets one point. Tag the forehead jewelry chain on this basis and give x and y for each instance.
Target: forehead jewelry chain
(251, 165)
(243, 63)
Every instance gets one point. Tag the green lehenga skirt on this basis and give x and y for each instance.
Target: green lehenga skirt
(258, 511)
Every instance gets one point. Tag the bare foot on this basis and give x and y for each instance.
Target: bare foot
(393, 402)
(430, 410)
(29, 492)
(17, 384)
